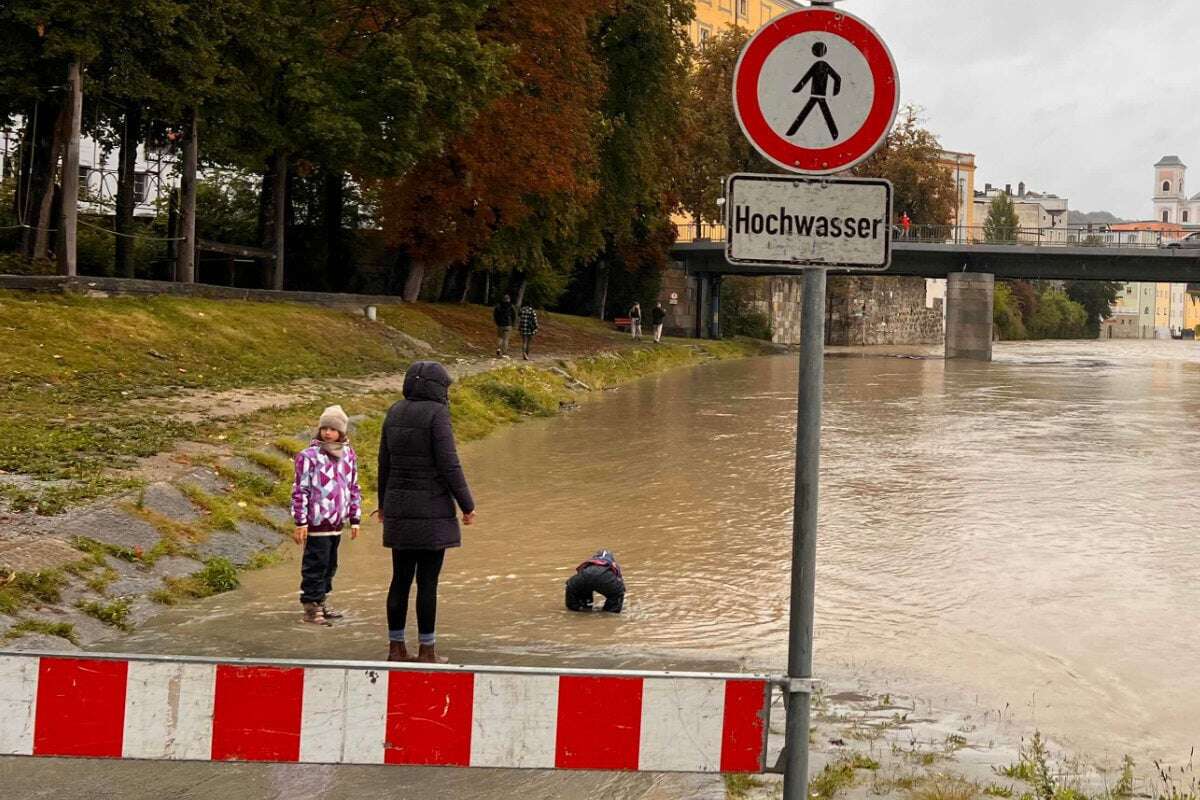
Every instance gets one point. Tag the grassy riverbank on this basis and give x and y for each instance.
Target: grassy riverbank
(88, 384)
(167, 426)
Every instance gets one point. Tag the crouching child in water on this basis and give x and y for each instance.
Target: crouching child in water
(325, 496)
(602, 574)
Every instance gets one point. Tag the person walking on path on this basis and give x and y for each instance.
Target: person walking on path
(635, 321)
(325, 496)
(505, 315)
(420, 481)
(528, 326)
(658, 315)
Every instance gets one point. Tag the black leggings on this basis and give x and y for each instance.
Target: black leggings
(426, 565)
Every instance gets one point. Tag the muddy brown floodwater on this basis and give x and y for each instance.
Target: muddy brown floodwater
(1022, 533)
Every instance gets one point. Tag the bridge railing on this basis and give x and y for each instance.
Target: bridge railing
(690, 232)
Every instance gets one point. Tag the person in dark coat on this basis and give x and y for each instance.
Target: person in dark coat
(505, 316)
(420, 481)
(602, 574)
(658, 315)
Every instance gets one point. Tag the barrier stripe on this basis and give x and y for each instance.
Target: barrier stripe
(599, 723)
(18, 697)
(169, 710)
(744, 730)
(257, 713)
(80, 708)
(675, 711)
(429, 718)
(514, 723)
(196, 710)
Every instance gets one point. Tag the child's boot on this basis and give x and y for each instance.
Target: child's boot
(331, 613)
(313, 614)
(397, 651)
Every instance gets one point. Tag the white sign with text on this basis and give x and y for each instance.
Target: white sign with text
(781, 220)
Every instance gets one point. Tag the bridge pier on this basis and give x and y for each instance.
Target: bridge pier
(969, 315)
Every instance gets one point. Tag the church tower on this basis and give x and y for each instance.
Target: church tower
(1169, 196)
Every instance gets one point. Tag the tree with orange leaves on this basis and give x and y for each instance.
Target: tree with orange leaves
(510, 190)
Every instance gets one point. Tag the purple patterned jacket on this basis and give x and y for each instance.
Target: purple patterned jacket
(325, 494)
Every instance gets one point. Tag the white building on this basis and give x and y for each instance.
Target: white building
(154, 174)
(1171, 203)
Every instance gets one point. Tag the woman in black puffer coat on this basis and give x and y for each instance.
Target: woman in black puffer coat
(420, 480)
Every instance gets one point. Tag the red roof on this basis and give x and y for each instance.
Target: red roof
(1148, 225)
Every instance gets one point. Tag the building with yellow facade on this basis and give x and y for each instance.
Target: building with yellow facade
(714, 16)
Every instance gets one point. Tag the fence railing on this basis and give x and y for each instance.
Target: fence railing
(689, 232)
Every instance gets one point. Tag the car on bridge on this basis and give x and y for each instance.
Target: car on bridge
(1189, 241)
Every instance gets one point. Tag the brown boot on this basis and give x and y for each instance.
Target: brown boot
(427, 654)
(398, 652)
(313, 614)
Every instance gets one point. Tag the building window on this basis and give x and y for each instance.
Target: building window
(1166, 186)
(139, 187)
(743, 7)
(705, 34)
(1185, 216)
(1166, 216)
(767, 12)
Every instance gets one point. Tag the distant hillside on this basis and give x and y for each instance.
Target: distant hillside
(1084, 217)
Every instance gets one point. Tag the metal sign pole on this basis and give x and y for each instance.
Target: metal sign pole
(804, 534)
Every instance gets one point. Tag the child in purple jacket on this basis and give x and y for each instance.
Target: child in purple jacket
(325, 496)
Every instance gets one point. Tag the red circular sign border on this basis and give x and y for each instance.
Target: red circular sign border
(842, 155)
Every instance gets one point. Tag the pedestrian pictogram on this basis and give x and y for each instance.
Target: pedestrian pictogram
(817, 78)
(816, 90)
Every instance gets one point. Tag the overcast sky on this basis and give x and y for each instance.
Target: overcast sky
(1074, 97)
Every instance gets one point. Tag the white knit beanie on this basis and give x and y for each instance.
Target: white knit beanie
(334, 417)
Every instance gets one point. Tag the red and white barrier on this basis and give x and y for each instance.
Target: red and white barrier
(360, 713)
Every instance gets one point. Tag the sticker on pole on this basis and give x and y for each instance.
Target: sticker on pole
(815, 90)
(784, 220)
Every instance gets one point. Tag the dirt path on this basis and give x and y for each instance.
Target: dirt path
(200, 406)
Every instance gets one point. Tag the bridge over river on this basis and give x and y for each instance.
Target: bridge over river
(970, 267)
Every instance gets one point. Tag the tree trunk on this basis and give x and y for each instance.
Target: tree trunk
(466, 287)
(335, 205)
(44, 189)
(600, 295)
(412, 284)
(39, 162)
(69, 213)
(173, 230)
(279, 213)
(185, 268)
(521, 283)
(123, 221)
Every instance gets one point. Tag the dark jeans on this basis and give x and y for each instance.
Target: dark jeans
(426, 566)
(526, 343)
(318, 568)
(594, 578)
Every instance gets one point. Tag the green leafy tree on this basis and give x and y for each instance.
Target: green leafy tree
(1006, 314)
(1002, 224)
(1058, 317)
(643, 46)
(921, 186)
(710, 139)
(1097, 298)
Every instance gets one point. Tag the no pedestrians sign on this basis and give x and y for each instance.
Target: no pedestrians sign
(815, 90)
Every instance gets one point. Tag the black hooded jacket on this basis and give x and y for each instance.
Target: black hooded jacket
(420, 477)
